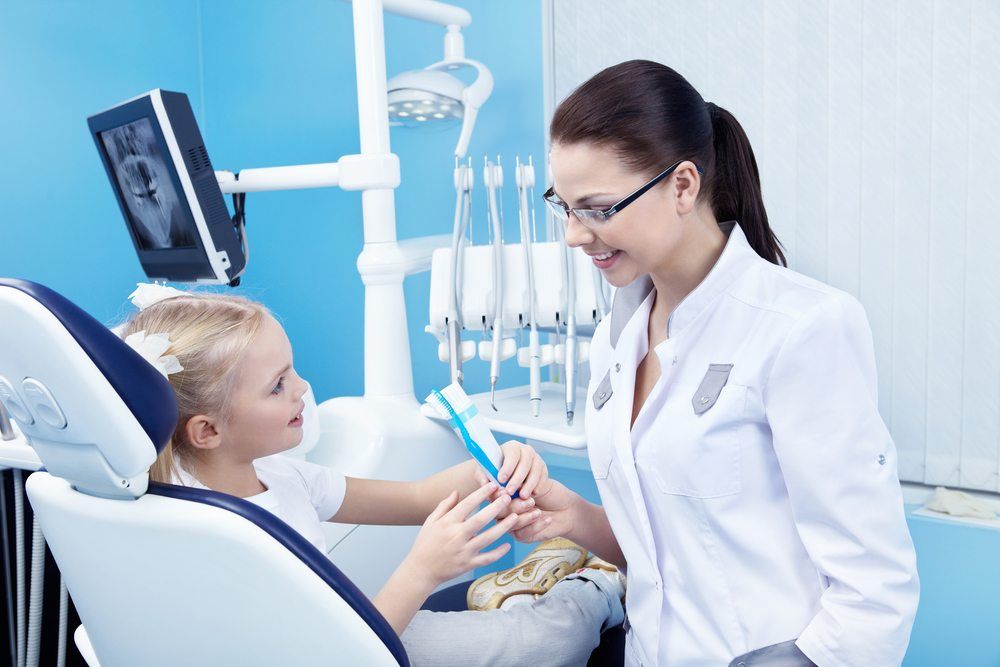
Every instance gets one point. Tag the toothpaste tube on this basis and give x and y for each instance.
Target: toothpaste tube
(455, 406)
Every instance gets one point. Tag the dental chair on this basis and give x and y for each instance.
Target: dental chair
(160, 574)
(163, 574)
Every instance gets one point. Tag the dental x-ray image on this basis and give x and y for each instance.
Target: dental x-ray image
(154, 208)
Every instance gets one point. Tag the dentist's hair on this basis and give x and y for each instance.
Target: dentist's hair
(651, 117)
(208, 334)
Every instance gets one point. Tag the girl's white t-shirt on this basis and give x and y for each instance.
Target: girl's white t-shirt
(300, 493)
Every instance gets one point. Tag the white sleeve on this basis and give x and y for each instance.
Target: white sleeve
(839, 466)
(325, 486)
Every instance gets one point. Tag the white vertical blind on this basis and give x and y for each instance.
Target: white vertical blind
(876, 125)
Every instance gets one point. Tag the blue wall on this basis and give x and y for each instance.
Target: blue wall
(59, 63)
(272, 83)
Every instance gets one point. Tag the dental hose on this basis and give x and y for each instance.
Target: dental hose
(19, 563)
(457, 235)
(494, 182)
(63, 622)
(34, 640)
(8, 584)
(570, 342)
(570, 276)
(534, 349)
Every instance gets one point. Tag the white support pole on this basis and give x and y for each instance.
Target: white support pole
(388, 369)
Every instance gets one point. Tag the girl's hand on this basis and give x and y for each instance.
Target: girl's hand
(523, 470)
(450, 541)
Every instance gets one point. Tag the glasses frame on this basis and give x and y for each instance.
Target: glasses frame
(593, 216)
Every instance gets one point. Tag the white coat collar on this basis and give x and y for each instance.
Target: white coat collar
(736, 258)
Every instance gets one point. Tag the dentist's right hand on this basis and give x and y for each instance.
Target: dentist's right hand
(452, 539)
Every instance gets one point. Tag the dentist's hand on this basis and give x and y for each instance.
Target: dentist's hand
(557, 516)
(450, 542)
(543, 516)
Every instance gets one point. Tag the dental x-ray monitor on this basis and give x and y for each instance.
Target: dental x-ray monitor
(167, 190)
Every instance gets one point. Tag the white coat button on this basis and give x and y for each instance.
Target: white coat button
(881, 459)
(618, 368)
(602, 394)
(674, 360)
(704, 400)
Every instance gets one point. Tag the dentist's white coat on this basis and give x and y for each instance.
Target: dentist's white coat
(777, 513)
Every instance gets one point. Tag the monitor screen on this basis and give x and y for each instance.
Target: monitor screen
(155, 213)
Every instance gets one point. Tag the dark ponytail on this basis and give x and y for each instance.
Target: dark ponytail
(735, 188)
(651, 117)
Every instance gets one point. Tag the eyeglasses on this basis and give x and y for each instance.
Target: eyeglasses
(592, 217)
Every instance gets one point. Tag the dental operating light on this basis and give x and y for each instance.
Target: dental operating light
(434, 96)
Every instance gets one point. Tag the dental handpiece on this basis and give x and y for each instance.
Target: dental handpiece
(457, 245)
(570, 333)
(525, 177)
(493, 181)
(457, 234)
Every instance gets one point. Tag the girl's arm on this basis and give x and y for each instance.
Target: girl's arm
(384, 503)
(380, 502)
(448, 545)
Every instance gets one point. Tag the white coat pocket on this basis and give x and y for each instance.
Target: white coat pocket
(698, 455)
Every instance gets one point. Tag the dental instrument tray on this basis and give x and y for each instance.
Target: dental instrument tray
(478, 293)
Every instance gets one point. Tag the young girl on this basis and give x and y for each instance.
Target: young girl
(240, 404)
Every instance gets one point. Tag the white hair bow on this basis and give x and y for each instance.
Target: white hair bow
(151, 348)
(147, 294)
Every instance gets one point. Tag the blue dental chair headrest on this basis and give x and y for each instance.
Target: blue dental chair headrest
(67, 366)
(141, 387)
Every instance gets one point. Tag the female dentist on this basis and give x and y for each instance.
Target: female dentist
(747, 480)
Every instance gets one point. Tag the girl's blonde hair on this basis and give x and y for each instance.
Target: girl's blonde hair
(208, 335)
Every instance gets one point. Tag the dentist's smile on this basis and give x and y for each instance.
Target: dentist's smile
(605, 260)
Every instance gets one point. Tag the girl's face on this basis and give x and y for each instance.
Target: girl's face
(266, 408)
(642, 237)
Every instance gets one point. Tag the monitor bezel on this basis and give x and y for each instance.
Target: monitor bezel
(203, 263)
